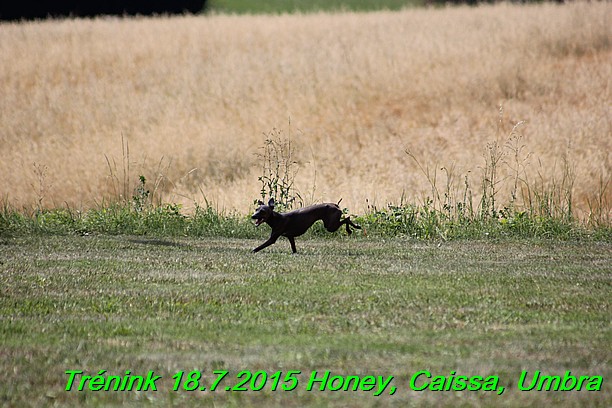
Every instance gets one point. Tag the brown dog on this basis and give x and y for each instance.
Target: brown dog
(294, 223)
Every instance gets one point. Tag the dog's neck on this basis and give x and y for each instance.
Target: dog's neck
(274, 219)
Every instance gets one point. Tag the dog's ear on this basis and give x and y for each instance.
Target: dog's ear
(271, 203)
(259, 202)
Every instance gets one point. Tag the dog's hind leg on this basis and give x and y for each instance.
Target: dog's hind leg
(333, 224)
(347, 221)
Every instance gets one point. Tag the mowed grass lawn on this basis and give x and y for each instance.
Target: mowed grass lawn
(353, 306)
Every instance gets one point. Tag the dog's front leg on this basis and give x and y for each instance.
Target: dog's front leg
(269, 242)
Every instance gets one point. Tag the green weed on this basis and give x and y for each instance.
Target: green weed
(279, 169)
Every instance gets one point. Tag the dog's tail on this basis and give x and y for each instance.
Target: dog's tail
(339, 201)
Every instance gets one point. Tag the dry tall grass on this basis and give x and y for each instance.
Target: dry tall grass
(202, 92)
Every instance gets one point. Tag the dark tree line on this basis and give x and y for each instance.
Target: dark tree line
(38, 9)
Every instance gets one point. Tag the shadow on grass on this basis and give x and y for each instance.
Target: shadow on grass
(156, 242)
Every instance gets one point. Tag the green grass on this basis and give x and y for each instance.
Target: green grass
(292, 6)
(423, 222)
(360, 305)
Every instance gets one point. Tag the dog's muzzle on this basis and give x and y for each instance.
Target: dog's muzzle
(258, 221)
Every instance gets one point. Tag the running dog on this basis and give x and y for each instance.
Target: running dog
(294, 223)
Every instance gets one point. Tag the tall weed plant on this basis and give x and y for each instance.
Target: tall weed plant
(504, 201)
(278, 170)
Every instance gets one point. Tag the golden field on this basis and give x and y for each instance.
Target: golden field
(195, 97)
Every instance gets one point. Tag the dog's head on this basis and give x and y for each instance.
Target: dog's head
(263, 212)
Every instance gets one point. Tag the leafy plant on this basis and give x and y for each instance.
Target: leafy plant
(279, 169)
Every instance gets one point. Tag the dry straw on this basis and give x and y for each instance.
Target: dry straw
(196, 97)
